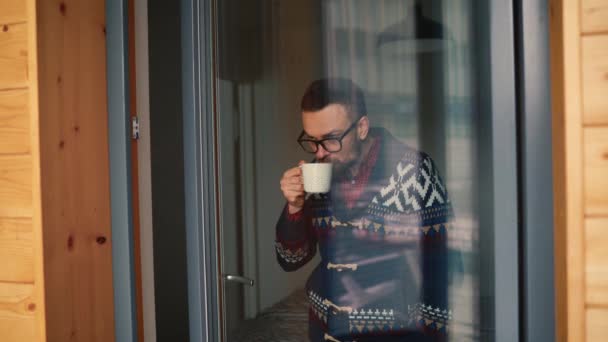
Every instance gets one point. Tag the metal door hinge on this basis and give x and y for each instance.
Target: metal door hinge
(135, 128)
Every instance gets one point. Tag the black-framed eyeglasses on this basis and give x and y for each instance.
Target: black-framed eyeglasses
(331, 144)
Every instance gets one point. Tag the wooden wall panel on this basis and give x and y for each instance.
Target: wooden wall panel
(595, 79)
(13, 56)
(15, 186)
(597, 324)
(14, 122)
(74, 170)
(39, 332)
(17, 312)
(579, 59)
(596, 170)
(19, 309)
(16, 250)
(596, 256)
(12, 11)
(568, 170)
(595, 16)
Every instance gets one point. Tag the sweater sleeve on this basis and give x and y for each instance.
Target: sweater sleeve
(433, 314)
(295, 242)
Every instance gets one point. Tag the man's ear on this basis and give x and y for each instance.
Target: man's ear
(363, 128)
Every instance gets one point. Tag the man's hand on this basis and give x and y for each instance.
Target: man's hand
(293, 188)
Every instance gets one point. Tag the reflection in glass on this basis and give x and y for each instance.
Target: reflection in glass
(387, 252)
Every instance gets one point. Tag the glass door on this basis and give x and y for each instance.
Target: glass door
(358, 171)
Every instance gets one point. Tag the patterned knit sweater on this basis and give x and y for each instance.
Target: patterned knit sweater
(383, 269)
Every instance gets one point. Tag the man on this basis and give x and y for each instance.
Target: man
(381, 230)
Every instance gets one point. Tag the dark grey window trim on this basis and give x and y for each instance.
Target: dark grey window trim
(199, 157)
(498, 172)
(536, 171)
(123, 270)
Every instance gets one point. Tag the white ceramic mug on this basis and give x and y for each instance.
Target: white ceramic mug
(317, 177)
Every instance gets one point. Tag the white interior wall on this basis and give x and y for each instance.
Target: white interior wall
(293, 62)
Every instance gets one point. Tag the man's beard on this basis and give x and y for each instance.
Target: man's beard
(341, 170)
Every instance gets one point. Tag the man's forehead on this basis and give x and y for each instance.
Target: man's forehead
(328, 121)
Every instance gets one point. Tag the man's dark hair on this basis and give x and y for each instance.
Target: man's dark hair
(323, 92)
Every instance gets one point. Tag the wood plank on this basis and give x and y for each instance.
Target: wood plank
(144, 173)
(17, 312)
(596, 258)
(16, 300)
(596, 170)
(74, 171)
(597, 324)
(595, 79)
(13, 56)
(15, 186)
(568, 173)
(14, 122)
(16, 250)
(594, 16)
(34, 114)
(12, 11)
(18, 329)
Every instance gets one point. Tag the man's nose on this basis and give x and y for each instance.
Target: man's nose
(321, 153)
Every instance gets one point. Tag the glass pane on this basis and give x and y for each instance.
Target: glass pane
(349, 165)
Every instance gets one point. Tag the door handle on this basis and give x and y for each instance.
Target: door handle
(238, 279)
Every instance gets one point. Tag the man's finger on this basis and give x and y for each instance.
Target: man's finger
(298, 188)
(292, 172)
(293, 180)
(294, 190)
